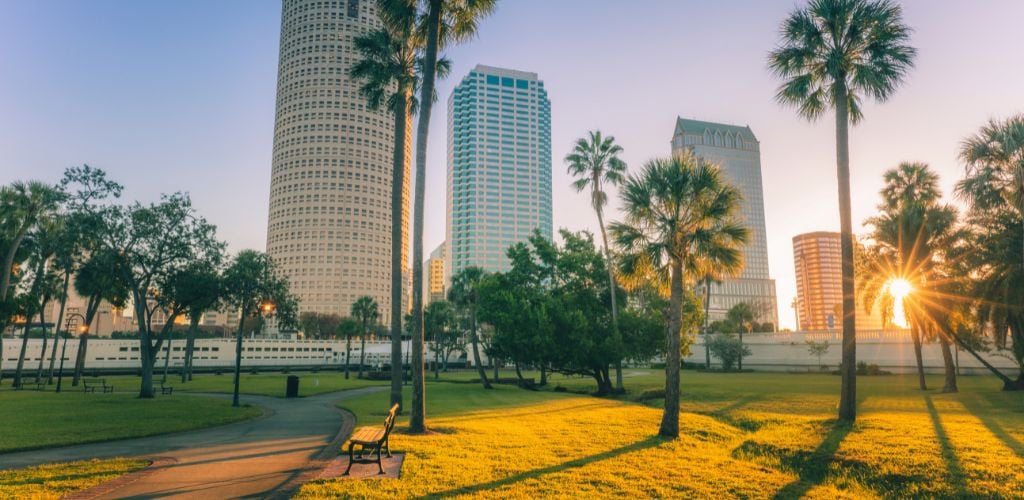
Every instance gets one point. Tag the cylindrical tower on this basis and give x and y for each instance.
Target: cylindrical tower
(329, 227)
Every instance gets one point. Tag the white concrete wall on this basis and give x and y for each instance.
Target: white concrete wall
(891, 350)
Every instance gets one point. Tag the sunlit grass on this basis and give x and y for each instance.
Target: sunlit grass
(746, 435)
(58, 480)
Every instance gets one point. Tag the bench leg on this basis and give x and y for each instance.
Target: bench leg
(387, 446)
(380, 468)
(350, 457)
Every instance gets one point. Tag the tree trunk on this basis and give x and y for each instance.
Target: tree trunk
(403, 120)
(494, 366)
(437, 362)
(915, 334)
(167, 357)
(148, 361)
(670, 417)
(739, 365)
(21, 355)
(56, 326)
(190, 338)
(848, 391)
(417, 421)
(362, 352)
(707, 323)
(83, 346)
(8, 265)
(238, 355)
(476, 352)
(348, 352)
(612, 287)
(1008, 384)
(519, 374)
(950, 364)
(42, 351)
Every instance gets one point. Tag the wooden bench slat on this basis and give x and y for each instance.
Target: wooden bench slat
(368, 435)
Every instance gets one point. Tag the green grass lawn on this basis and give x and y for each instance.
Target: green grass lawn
(33, 419)
(752, 435)
(58, 480)
(260, 384)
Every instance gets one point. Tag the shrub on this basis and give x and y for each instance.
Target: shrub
(652, 394)
(727, 349)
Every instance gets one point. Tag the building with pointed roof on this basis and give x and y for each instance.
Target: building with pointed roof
(738, 152)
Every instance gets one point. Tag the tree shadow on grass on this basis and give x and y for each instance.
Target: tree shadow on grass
(994, 426)
(579, 462)
(813, 468)
(956, 471)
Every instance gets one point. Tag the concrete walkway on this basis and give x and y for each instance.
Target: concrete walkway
(263, 458)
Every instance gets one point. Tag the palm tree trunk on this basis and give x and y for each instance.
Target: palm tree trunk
(612, 288)
(915, 334)
(950, 364)
(42, 352)
(403, 121)
(670, 417)
(417, 421)
(21, 355)
(476, 352)
(56, 326)
(707, 323)
(848, 391)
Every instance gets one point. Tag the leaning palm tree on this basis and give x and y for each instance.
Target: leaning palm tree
(680, 224)
(832, 53)
(364, 309)
(995, 166)
(387, 69)
(594, 162)
(912, 236)
(463, 293)
(446, 22)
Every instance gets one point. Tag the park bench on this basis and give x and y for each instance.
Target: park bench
(371, 440)
(91, 384)
(166, 389)
(34, 385)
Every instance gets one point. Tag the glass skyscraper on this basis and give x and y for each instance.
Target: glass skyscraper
(499, 166)
(738, 152)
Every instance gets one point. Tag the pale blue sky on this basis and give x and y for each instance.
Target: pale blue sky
(179, 95)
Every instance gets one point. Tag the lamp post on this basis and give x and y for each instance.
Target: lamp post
(84, 328)
(265, 307)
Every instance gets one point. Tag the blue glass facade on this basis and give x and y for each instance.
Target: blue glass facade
(499, 166)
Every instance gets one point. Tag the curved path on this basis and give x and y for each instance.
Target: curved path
(264, 457)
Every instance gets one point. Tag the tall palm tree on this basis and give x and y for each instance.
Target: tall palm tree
(594, 162)
(446, 22)
(831, 54)
(995, 166)
(463, 294)
(911, 236)
(364, 309)
(680, 223)
(387, 68)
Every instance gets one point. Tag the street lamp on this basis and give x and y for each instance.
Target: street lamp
(266, 307)
(83, 328)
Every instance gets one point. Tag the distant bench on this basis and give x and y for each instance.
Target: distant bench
(91, 384)
(166, 389)
(372, 440)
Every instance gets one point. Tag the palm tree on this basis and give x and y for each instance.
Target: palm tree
(911, 236)
(831, 54)
(463, 294)
(680, 225)
(387, 67)
(446, 22)
(995, 166)
(364, 309)
(594, 161)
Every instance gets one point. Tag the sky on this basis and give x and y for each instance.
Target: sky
(179, 96)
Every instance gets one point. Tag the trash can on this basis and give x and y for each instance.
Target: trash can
(292, 389)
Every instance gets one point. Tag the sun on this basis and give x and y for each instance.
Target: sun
(899, 288)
